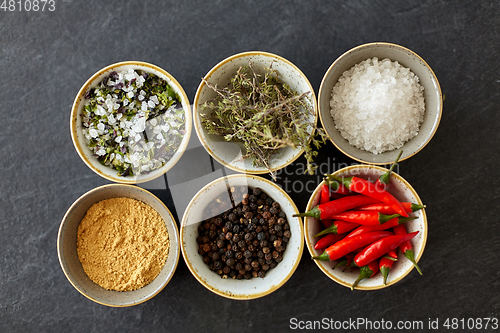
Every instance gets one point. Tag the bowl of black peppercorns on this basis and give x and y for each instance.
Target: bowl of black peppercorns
(239, 237)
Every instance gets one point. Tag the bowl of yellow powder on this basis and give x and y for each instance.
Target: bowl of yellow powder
(118, 245)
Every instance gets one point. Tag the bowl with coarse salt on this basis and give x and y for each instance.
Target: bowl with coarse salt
(131, 122)
(377, 99)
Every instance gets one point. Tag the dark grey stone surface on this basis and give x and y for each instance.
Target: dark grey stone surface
(45, 57)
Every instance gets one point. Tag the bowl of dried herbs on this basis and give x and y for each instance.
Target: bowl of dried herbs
(256, 112)
(131, 122)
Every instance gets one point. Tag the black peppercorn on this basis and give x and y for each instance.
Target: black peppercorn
(206, 247)
(246, 240)
(248, 237)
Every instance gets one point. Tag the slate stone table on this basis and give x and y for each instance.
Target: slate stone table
(46, 56)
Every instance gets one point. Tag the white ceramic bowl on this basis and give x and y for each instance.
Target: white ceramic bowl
(79, 139)
(403, 191)
(227, 153)
(407, 58)
(232, 288)
(68, 256)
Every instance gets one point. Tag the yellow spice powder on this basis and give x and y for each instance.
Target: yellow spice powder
(122, 244)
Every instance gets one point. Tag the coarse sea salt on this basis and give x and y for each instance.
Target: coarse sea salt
(378, 105)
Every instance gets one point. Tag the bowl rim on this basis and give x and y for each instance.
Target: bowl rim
(77, 202)
(202, 84)
(383, 44)
(249, 296)
(327, 271)
(150, 176)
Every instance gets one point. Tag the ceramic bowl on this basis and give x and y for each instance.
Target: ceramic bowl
(68, 256)
(403, 191)
(233, 288)
(407, 58)
(227, 153)
(79, 139)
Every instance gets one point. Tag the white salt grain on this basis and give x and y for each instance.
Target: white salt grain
(378, 105)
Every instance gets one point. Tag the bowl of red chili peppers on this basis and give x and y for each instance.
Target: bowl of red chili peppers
(365, 227)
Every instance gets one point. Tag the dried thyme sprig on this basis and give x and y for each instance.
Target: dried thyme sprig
(264, 114)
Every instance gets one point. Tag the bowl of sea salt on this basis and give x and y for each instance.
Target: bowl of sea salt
(377, 99)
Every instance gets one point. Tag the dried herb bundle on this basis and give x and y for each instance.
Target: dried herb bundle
(264, 114)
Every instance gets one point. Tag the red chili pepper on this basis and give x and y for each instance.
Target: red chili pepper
(364, 217)
(328, 240)
(393, 254)
(385, 226)
(386, 209)
(367, 188)
(406, 248)
(380, 247)
(382, 182)
(338, 227)
(336, 187)
(329, 209)
(324, 198)
(366, 272)
(385, 266)
(348, 245)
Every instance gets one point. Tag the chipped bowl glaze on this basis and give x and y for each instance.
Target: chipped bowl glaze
(76, 124)
(228, 153)
(232, 288)
(403, 191)
(407, 58)
(68, 256)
